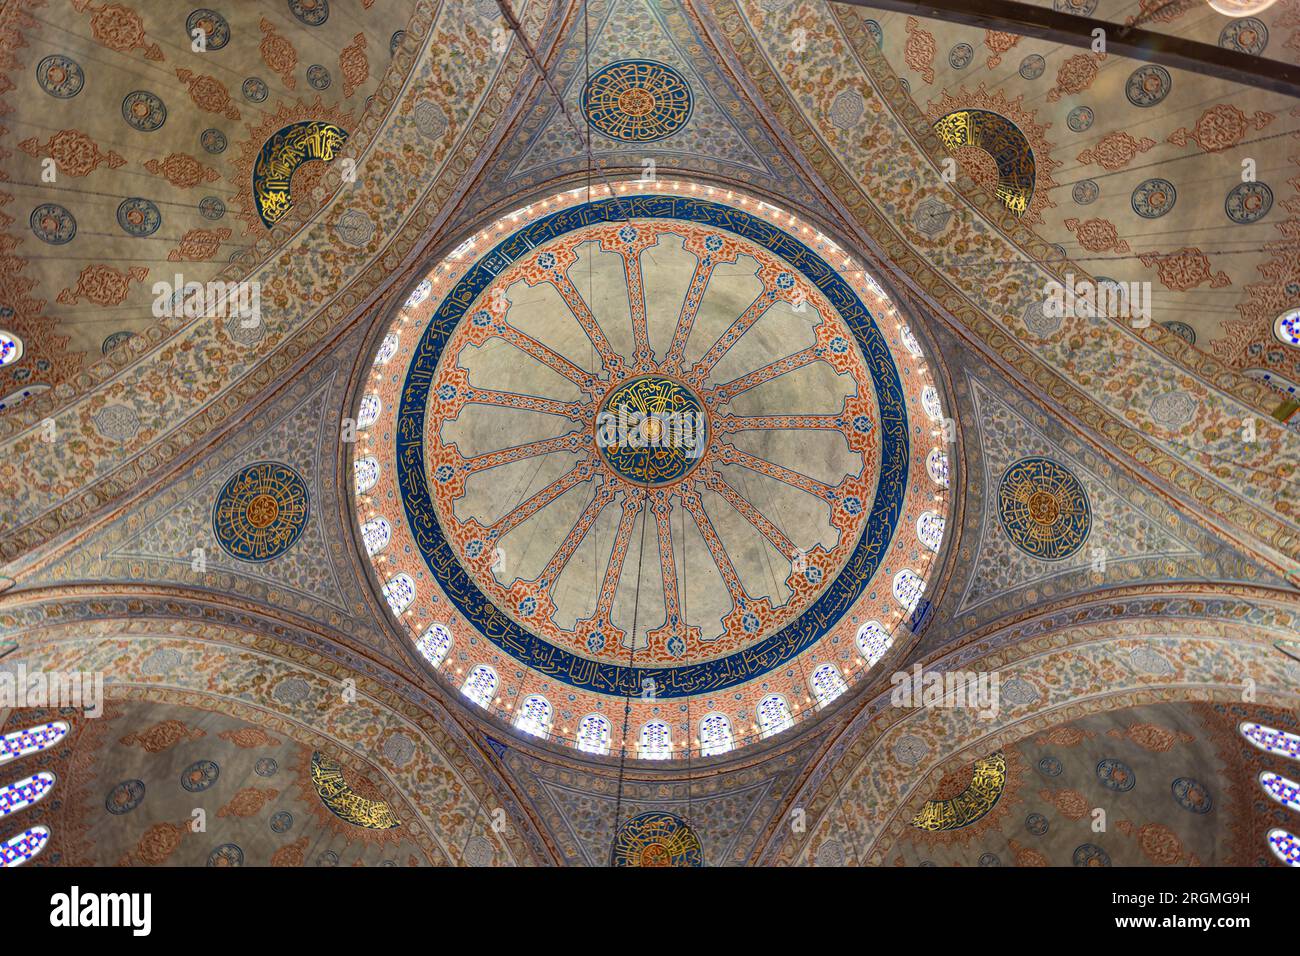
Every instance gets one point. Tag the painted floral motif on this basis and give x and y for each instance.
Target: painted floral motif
(1184, 269)
(247, 802)
(1115, 150)
(118, 28)
(919, 52)
(999, 43)
(1097, 235)
(74, 153)
(1075, 75)
(198, 245)
(209, 93)
(182, 171)
(278, 53)
(162, 736)
(1220, 127)
(103, 285)
(354, 65)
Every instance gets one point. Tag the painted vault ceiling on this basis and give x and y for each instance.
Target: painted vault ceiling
(291, 546)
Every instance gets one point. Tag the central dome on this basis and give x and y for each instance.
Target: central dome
(653, 447)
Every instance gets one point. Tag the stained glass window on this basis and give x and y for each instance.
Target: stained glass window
(715, 735)
(535, 716)
(434, 644)
(481, 685)
(908, 588)
(375, 533)
(21, 795)
(18, 850)
(387, 348)
(936, 463)
(593, 734)
(656, 742)
(419, 294)
(1287, 327)
(930, 402)
(1284, 846)
(1281, 789)
(368, 413)
(1274, 741)
(827, 684)
(773, 715)
(20, 743)
(400, 591)
(365, 471)
(929, 528)
(909, 341)
(11, 348)
(873, 641)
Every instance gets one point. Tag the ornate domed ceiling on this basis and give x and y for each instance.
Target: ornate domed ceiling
(668, 446)
(692, 462)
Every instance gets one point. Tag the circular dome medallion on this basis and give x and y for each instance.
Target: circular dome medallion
(651, 430)
(647, 440)
(260, 512)
(657, 838)
(60, 76)
(1044, 509)
(637, 101)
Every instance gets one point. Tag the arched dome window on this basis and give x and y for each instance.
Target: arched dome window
(593, 734)
(936, 464)
(419, 294)
(1281, 789)
(535, 716)
(1274, 741)
(434, 644)
(1284, 846)
(929, 528)
(656, 741)
(21, 795)
(908, 588)
(715, 735)
(400, 591)
(387, 348)
(873, 641)
(773, 715)
(365, 472)
(827, 684)
(375, 534)
(11, 348)
(481, 685)
(20, 743)
(930, 402)
(909, 341)
(369, 411)
(23, 847)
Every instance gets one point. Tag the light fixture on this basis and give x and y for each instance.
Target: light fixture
(1240, 8)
